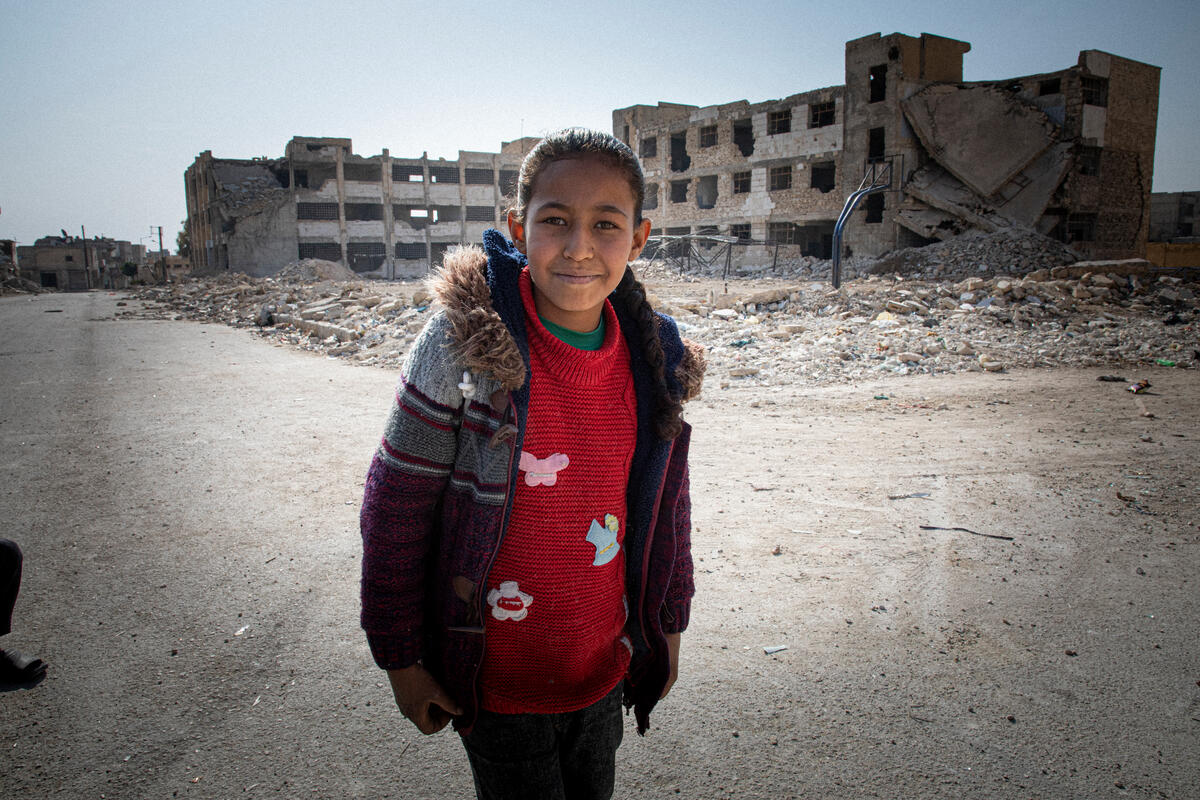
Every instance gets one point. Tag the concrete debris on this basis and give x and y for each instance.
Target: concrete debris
(783, 332)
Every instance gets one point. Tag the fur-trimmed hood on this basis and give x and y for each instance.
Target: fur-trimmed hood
(464, 286)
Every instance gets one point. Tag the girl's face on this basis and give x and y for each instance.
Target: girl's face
(579, 233)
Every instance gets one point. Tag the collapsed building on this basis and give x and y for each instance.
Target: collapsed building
(77, 263)
(1069, 154)
(380, 216)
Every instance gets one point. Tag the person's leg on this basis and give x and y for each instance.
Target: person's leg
(588, 748)
(10, 582)
(514, 757)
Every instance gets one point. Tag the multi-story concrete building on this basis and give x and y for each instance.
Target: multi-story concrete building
(381, 216)
(73, 263)
(1173, 216)
(1068, 153)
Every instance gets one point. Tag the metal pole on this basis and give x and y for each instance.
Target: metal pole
(162, 257)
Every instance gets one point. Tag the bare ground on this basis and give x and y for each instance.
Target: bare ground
(186, 496)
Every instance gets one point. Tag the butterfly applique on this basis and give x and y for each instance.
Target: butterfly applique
(543, 471)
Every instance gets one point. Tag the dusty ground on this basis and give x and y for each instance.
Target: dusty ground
(186, 495)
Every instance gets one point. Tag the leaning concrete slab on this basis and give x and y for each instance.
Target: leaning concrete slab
(982, 135)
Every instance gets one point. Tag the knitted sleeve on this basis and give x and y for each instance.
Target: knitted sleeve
(678, 602)
(404, 485)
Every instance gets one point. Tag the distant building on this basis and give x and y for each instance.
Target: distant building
(381, 216)
(72, 263)
(1069, 153)
(1173, 215)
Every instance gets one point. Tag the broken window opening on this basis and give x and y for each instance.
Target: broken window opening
(650, 197)
(366, 173)
(878, 81)
(366, 256)
(49, 280)
(680, 160)
(408, 173)
(708, 136)
(445, 214)
(779, 122)
(780, 178)
(823, 176)
(478, 176)
(706, 192)
(625, 137)
(741, 182)
(781, 233)
(443, 174)
(740, 231)
(874, 207)
(743, 136)
(411, 251)
(649, 147)
(301, 178)
(822, 114)
(1095, 91)
(364, 211)
(1088, 160)
(437, 250)
(1081, 227)
(481, 214)
(679, 191)
(508, 182)
(326, 251)
(875, 145)
(415, 217)
(317, 211)
(1050, 86)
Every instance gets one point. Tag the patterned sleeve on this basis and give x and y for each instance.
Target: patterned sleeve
(404, 485)
(678, 605)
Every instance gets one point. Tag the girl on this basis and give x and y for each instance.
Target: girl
(531, 488)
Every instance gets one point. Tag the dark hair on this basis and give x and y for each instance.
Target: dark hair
(630, 294)
(579, 143)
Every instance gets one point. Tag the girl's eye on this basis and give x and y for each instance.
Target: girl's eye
(607, 225)
(554, 221)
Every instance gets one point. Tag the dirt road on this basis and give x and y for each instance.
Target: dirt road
(186, 496)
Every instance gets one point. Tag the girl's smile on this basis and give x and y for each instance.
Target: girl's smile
(579, 234)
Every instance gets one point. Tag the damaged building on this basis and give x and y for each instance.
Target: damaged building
(1069, 154)
(76, 263)
(380, 216)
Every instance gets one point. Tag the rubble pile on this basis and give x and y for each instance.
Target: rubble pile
(1011, 251)
(315, 269)
(14, 284)
(773, 331)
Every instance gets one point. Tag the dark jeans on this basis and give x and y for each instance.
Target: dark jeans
(10, 582)
(568, 756)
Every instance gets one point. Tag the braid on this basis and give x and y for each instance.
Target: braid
(667, 407)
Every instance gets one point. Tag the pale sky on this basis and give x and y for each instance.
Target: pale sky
(107, 103)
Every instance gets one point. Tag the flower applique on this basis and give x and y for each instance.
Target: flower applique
(509, 602)
(604, 538)
(543, 471)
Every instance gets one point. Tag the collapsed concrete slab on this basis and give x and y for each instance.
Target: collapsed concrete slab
(982, 135)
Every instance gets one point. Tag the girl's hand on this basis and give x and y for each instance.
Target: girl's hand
(422, 699)
(673, 650)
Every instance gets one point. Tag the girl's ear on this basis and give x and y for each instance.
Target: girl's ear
(517, 232)
(641, 233)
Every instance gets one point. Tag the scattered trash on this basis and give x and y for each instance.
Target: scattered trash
(914, 496)
(1163, 362)
(778, 551)
(882, 397)
(967, 530)
(241, 630)
(1140, 386)
(741, 342)
(775, 648)
(1111, 378)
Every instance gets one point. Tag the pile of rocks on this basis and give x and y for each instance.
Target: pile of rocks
(776, 331)
(1012, 251)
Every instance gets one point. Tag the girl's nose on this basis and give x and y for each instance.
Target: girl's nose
(578, 246)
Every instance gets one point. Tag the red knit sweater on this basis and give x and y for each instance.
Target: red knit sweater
(555, 634)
